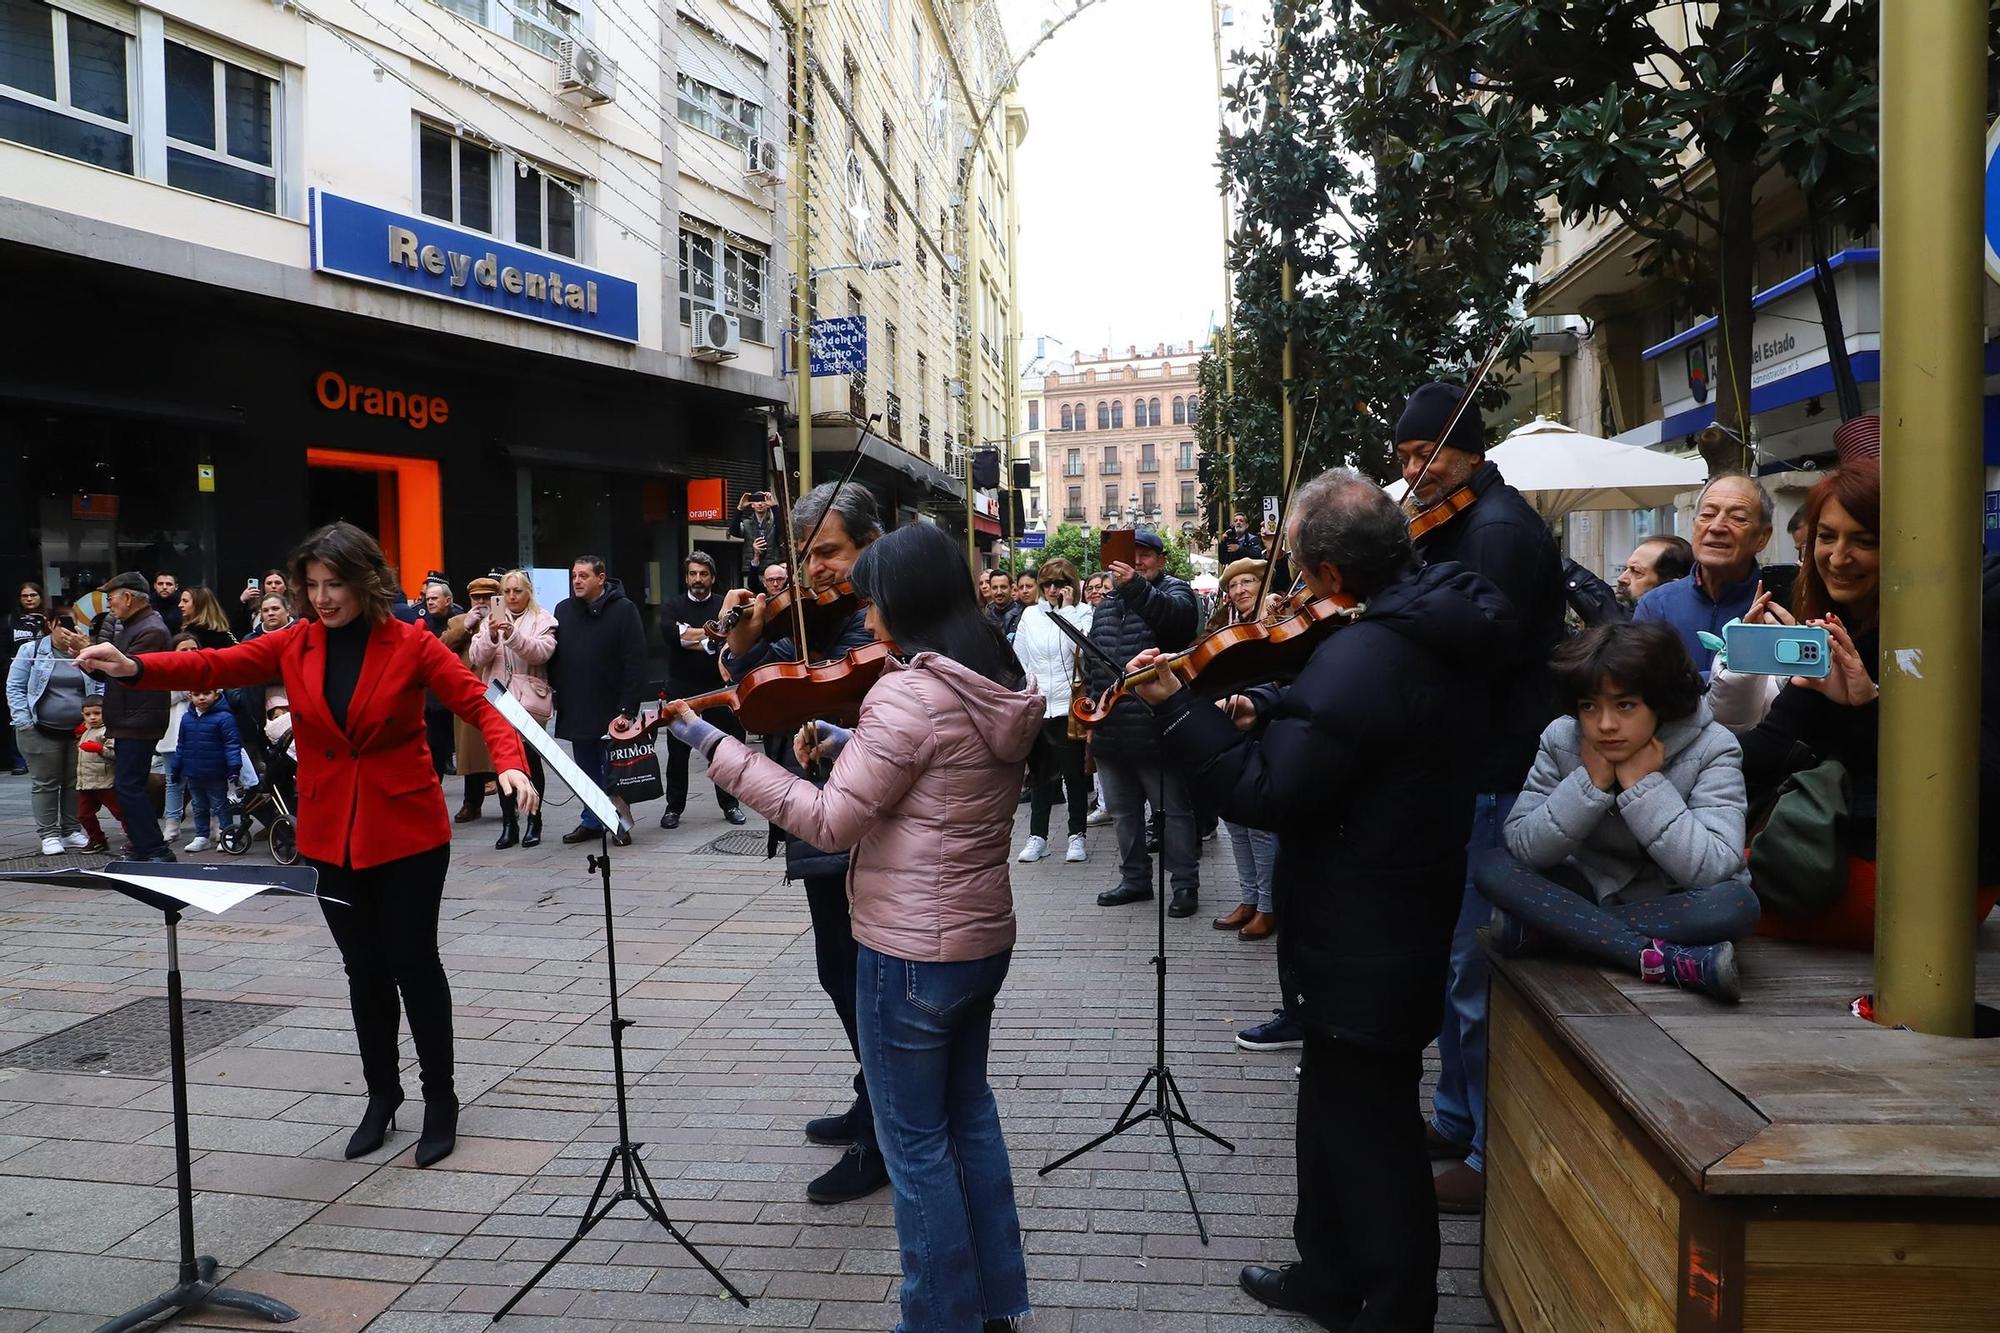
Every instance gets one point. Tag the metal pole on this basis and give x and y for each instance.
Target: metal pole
(1288, 423)
(1933, 113)
(802, 243)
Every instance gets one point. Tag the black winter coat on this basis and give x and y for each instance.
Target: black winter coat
(1594, 601)
(599, 668)
(1366, 768)
(129, 713)
(802, 859)
(1504, 539)
(1162, 613)
(1232, 548)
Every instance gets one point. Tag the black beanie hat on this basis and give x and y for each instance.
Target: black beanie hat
(1427, 411)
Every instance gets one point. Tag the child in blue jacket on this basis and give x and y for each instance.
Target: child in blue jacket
(205, 762)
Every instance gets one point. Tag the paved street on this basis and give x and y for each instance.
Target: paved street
(733, 1050)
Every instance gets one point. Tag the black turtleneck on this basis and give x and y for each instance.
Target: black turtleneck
(345, 647)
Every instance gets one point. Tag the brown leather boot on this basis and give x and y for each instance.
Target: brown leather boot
(1237, 919)
(1260, 926)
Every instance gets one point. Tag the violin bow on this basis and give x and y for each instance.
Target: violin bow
(781, 487)
(1272, 556)
(1458, 411)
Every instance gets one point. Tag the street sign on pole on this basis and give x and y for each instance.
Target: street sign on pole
(1032, 541)
(840, 345)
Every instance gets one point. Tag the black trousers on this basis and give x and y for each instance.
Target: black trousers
(835, 952)
(438, 732)
(388, 938)
(535, 775)
(1056, 766)
(723, 720)
(1366, 1225)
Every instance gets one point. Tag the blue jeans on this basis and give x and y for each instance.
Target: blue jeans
(924, 1030)
(208, 797)
(1256, 853)
(1460, 1099)
(131, 765)
(591, 757)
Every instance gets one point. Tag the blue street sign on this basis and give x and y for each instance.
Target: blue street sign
(1031, 541)
(1993, 202)
(840, 345)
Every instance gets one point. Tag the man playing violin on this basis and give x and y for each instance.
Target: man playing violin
(691, 670)
(836, 523)
(1365, 766)
(1466, 512)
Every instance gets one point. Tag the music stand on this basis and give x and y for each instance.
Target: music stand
(1168, 1106)
(172, 888)
(624, 1154)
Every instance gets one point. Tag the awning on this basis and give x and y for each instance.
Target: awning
(987, 526)
(842, 440)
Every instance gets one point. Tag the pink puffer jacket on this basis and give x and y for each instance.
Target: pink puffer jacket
(924, 793)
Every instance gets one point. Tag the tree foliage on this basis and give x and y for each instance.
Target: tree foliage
(1409, 262)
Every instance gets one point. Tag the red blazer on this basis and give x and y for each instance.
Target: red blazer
(367, 794)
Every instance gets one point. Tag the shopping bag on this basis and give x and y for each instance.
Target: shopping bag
(634, 770)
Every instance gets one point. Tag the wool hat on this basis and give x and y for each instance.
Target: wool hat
(1430, 407)
(1148, 538)
(129, 581)
(1254, 568)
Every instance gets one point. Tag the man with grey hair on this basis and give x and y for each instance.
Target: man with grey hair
(835, 524)
(1366, 766)
(1732, 525)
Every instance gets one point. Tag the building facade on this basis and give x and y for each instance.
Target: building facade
(1118, 438)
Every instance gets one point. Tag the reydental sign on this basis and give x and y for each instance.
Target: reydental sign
(419, 254)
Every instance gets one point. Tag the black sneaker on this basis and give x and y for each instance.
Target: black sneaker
(858, 1174)
(1283, 1032)
(832, 1131)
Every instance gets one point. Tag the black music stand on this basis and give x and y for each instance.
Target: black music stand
(624, 1154)
(1168, 1106)
(173, 888)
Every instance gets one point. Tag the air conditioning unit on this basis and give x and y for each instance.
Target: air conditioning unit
(765, 161)
(717, 337)
(584, 74)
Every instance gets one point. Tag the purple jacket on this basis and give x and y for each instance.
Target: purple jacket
(924, 793)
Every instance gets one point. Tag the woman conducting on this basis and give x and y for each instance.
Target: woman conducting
(923, 791)
(372, 816)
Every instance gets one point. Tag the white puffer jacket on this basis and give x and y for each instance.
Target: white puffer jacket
(1047, 654)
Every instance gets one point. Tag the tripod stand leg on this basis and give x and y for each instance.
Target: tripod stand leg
(583, 1229)
(1126, 1120)
(651, 1203)
(1180, 1112)
(1174, 1146)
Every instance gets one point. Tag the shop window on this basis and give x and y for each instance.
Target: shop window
(545, 210)
(455, 178)
(710, 266)
(66, 84)
(221, 129)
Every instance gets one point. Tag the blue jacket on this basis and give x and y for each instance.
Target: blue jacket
(210, 748)
(1685, 606)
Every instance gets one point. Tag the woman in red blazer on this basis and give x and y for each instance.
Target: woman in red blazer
(371, 813)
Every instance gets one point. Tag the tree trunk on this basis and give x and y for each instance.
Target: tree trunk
(1846, 391)
(1735, 181)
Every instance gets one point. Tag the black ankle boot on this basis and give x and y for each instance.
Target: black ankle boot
(440, 1134)
(510, 832)
(376, 1122)
(531, 836)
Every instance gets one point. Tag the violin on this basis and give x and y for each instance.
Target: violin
(822, 605)
(1230, 659)
(1430, 520)
(781, 696)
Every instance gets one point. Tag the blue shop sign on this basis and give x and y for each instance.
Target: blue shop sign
(840, 345)
(1032, 541)
(419, 254)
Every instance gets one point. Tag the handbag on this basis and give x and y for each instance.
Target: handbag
(1798, 858)
(533, 694)
(633, 769)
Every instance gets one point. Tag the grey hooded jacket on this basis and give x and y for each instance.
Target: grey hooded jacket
(1679, 828)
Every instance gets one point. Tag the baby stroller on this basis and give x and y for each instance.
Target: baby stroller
(269, 802)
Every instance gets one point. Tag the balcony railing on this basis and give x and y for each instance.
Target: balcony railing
(1072, 516)
(1187, 507)
(1149, 465)
(1109, 468)
(1072, 469)
(895, 415)
(857, 396)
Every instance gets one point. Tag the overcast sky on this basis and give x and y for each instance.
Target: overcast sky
(1121, 219)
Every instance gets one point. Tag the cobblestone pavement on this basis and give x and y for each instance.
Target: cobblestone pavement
(733, 1050)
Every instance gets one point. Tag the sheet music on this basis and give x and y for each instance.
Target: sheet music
(211, 896)
(533, 734)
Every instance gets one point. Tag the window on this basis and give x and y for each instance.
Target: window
(1065, 415)
(1073, 463)
(1152, 411)
(1187, 497)
(888, 360)
(1073, 502)
(1194, 408)
(454, 177)
(916, 59)
(740, 280)
(79, 105)
(1108, 465)
(1180, 410)
(545, 207)
(1111, 501)
(889, 209)
(1034, 415)
(220, 129)
(1149, 498)
(1118, 414)
(553, 15)
(1149, 458)
(1104, 416)
(709, 109)
(1187, 455)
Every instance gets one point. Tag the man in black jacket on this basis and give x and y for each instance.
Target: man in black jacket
(691, 670)
(597, 673)
(1366, 767)
(849, 525)
(166, 600)
(756, 525)
(1500, 536)
(1238, 543)
(136, 719)
(1149, 608)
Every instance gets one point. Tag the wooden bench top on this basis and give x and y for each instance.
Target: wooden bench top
(1785, 1093)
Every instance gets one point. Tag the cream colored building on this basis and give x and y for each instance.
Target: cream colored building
(1113, 437)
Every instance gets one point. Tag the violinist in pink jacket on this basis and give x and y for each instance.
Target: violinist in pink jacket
(923, 790)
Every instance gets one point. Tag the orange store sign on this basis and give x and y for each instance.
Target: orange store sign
(413, 409)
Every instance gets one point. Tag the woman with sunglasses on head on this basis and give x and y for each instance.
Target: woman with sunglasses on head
(923, 791)
(1049, 655)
